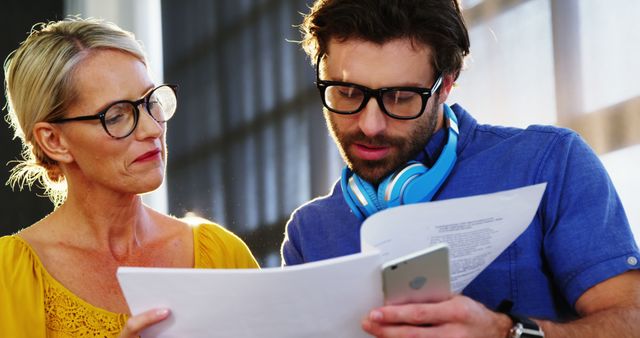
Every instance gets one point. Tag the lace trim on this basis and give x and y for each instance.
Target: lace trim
(68, 315)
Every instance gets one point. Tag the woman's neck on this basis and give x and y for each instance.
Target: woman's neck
(106, 222)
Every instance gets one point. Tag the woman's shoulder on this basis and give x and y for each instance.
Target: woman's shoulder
(217, 247)
(14, 250)
(21, 293)
(205, 229)
(18, 258)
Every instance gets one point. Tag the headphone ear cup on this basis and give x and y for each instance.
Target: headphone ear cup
(359, 195)
(350, 196)
(381, 191)
(372, 205)
(390, 191)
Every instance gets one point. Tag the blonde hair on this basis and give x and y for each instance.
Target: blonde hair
(39, 87)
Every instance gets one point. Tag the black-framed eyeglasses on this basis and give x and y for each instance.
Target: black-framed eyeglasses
(404, 103)
(121, 118)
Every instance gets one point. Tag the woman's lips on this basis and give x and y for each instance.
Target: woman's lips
(148, 156)
(370, 152)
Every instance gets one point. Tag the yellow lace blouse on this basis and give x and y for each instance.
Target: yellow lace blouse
(34, 304)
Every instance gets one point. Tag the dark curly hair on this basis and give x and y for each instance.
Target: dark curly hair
(436, 23)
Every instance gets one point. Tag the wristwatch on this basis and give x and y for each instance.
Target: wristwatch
(524, 327)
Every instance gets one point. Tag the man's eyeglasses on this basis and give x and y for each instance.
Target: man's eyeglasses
(120, 118)
(404, 103)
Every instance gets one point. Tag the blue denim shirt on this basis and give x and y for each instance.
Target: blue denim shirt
(579, 237)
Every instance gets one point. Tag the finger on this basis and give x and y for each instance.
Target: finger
(418, 314)
(139, 322)
(391, 330)
(415, 314)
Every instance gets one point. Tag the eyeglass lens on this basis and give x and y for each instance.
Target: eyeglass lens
(120, 119)
(348, 99)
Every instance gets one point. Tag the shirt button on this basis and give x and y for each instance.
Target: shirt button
(632, 260)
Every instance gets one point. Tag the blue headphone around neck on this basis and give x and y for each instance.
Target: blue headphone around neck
(412, 183)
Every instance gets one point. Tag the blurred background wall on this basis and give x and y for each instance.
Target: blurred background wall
(248, 144)
(19, 208)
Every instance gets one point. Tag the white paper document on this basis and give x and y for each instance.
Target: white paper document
(321, 299)
(329, 298)
(477, 229)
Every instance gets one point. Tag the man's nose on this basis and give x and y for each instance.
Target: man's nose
(372, 119)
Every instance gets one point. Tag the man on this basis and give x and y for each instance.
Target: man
(385, 69)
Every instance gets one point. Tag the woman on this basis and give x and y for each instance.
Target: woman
(91, 120)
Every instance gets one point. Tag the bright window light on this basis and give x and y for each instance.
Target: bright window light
(623, 167)
(610, 51)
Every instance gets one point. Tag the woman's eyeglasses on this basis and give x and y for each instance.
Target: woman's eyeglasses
(121, 118)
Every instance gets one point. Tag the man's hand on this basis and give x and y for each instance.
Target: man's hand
(609, 309)
(460, 316)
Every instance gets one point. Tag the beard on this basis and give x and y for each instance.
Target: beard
(404, 148)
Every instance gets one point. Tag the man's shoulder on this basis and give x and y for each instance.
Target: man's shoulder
(536, 132)
(320, 205)
(322, 228)
(489, 135)
(534, 138)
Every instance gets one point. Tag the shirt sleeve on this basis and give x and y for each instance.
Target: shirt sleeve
(587, 237)
(290, 253)
(21, 291)
(219, 248)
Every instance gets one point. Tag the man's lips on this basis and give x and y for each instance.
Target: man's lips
(370, 152)
(149, 155)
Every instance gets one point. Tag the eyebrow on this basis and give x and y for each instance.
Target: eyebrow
(146, 91)
(104, 106)
(407, 84)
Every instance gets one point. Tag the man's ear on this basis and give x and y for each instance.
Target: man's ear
(445, 88)
(51, 140)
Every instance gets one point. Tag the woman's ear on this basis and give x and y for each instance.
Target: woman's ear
(445, 88)
(52, 142)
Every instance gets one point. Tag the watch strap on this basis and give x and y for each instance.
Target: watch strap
(523, 327)
(526, 322)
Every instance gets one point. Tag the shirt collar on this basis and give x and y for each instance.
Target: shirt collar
(436, 143)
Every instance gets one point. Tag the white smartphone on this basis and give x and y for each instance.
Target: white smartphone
(420, 277)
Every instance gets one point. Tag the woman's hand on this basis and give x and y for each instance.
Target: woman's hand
(137, 323)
